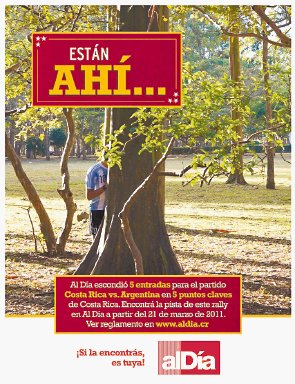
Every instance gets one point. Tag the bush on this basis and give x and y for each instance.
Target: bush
(287, 149)
(256, 148)
(57, 137)
(35, 146)
(183, 151)
(260, 148)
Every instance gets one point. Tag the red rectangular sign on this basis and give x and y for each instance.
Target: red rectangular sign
(106, 69)
(148, 304)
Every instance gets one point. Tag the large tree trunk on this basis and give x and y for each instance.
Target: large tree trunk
(45, 223)
(270, 147)
(235, 72)
(109, 254)
(65, 192)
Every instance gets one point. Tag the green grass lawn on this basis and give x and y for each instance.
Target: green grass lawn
(250, 209)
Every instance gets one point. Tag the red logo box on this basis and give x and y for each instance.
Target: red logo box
(189, 358)
(106, 69)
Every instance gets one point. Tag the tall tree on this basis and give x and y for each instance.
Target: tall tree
(270, 145)
(235, 73)
(109, 253)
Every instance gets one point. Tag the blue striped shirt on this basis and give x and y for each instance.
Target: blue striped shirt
(96, 177)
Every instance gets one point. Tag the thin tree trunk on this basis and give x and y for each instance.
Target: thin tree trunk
(65, 192)
(82, 143)
(78, 146)
(270, 147)
(45, 223)
(235, 72)
(163, 26)
(106, 126)
(12, 136)
(84, 155)
(47, 143)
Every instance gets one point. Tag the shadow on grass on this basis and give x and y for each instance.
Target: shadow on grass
(22, 300)
(233, 261)
(278, 285)
(209, 233)
(28, 300)
(43, 260)
(261, 309)
(273, 289)
(30, 237)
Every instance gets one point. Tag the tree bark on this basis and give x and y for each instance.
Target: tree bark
(110, 254)
(124, 214)
(65, 192)
(270, 147)
(45, 223)
(235, 72)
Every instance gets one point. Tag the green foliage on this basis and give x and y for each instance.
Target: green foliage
(89, 124)
(20, 22)
(57, 136)
(35, 145)
(204, 121)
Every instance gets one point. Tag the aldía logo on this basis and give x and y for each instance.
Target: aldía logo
(188, 357)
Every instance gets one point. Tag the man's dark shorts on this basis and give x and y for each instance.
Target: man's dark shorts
(95, 221)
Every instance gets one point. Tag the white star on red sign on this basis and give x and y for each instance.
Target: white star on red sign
(43, 38)
(175, 94)
(38, 38)
(38, 44)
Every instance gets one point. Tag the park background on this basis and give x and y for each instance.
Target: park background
(31, 344)
(229, 214)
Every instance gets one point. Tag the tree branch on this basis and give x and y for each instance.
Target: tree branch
(16, 66)
(249, 138)
(177, 174)
(77, 18)
(151, 14)
(123, 215)
(225, 31)
(18, 110)
(260, 12)
(282, 156)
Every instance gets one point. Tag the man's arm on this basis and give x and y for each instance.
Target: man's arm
(93, 193)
